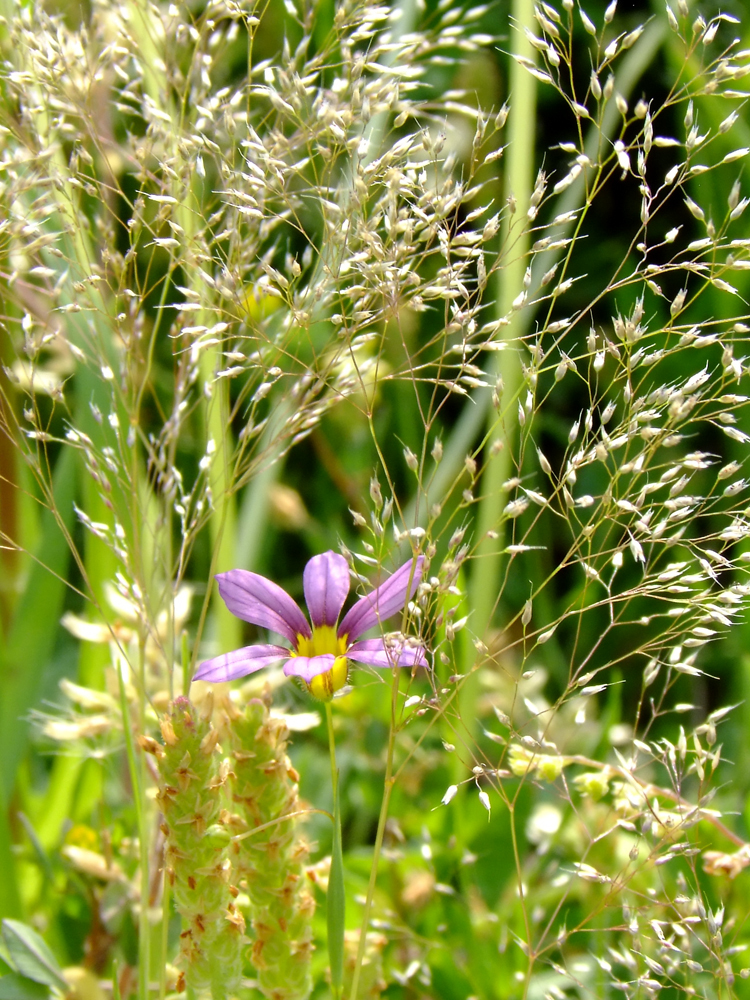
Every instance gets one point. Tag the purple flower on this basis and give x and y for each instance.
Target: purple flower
(319, 655)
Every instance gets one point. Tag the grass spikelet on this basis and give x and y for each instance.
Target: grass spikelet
(196, 859)
(269, 860)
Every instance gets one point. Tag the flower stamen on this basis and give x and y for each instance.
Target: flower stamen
(324, 641)
(324, 686)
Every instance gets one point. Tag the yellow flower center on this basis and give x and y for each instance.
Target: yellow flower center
(324, 640)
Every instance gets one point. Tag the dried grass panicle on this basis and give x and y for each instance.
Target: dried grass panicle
(215, 199)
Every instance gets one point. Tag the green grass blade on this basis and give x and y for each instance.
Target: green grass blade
(31, 955)
(31, 636)
(10, 902)
(519, 181)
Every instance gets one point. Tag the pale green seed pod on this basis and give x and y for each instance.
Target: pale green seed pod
(270, 864)
(196, 861)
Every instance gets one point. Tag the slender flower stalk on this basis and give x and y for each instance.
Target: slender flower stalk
(359, 962)
(320, 655)
(336, 914)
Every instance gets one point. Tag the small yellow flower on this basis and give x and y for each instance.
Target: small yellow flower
(521, 761)
(257, 304)
(549, 767)
(593, 784)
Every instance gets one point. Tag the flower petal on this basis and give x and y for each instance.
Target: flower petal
(377, 653)
(308, 667)
(326, 581)
(238, 663)
(259, 601)
(383, 602)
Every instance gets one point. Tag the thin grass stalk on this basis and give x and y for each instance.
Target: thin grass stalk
(225, 631)
(521, 895)
(166, 905)
(388, 783)
(12, 505)
(136, 770)
(186, 663)
(518, 183)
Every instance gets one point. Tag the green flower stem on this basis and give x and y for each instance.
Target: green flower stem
(336, 903)
(382, 819)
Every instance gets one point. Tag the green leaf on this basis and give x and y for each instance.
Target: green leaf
(31, 636)
(10, 903)
(31, 955)
(17, 987)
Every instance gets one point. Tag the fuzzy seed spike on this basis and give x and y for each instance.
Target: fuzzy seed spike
(271, 862)
(196, 863)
